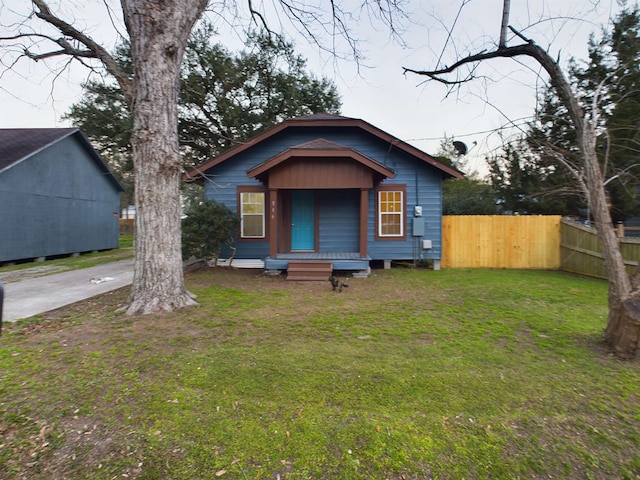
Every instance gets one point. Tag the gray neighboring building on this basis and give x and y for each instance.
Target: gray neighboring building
(57, 195)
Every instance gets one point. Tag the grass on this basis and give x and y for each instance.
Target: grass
(57, 265)
(407, 374)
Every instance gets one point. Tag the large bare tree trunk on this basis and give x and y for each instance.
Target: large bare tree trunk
(159, 31)
(623, 325)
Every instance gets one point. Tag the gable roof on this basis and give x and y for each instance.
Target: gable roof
(322, 120)
(320, 148)
(19, 144)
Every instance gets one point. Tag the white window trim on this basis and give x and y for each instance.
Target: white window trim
(381, 213)
(243, 215)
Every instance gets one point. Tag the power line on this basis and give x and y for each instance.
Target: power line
(524, 122)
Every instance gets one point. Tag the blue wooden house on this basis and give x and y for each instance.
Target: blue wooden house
(57, 195)
(325, 192)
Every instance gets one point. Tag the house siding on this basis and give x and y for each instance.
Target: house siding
(338, 212)
(57, 202)
(221, 186)
(424, 189)
(339, 227)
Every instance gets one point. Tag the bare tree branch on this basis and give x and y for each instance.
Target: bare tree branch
(256, 14)
(67, 49)
(623, 330)
(93, 49)
(315, 21)
(530, 49)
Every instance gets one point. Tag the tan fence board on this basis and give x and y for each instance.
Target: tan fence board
(498, 241)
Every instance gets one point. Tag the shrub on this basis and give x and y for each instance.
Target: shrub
(207, 227)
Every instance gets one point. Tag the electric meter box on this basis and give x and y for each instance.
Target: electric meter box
(418, 227)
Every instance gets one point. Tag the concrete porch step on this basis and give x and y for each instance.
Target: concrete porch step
(314, 270)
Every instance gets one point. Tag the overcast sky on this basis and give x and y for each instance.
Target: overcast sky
(419, 112)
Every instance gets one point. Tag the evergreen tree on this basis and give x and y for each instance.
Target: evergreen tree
(228, 98)
(225, 98)
(468, 196)
(611, 78)
(529, 184)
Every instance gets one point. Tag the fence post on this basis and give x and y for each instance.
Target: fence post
(620, 229)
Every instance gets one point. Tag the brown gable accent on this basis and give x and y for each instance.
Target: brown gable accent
(321, 144)
(320, 164)
(322, 120)
(331, 172)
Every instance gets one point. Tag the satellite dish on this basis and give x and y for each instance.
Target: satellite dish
(460, 147)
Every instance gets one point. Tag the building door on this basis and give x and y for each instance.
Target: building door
(302, 220)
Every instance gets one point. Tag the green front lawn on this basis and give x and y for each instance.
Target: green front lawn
(408, 374)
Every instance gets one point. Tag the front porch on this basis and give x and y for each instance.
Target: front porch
(339, 260)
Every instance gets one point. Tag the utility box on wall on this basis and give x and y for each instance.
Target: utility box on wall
(418, 227)
(426, 244)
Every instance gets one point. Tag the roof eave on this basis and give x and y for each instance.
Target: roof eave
(316, 153)
(104, 166)
(198, 172)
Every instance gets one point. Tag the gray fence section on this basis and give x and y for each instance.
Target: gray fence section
(580, 250)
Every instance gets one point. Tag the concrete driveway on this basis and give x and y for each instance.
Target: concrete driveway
(25, 298)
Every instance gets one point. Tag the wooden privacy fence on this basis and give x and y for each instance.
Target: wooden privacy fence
(127, 225)
(545, 242)
(537, 242)
(499, 241)
(581, 252)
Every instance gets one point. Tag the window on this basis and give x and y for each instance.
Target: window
(390, 206)
(252, 217)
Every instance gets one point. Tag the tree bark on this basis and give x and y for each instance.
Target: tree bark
(159, 31)
(623, 329)
(506, 7)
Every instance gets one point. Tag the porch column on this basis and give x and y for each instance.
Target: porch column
(273, 222)
(364, 218)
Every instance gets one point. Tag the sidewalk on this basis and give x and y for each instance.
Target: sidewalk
(30, 297)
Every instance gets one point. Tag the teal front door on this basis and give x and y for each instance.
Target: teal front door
(302, 220)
